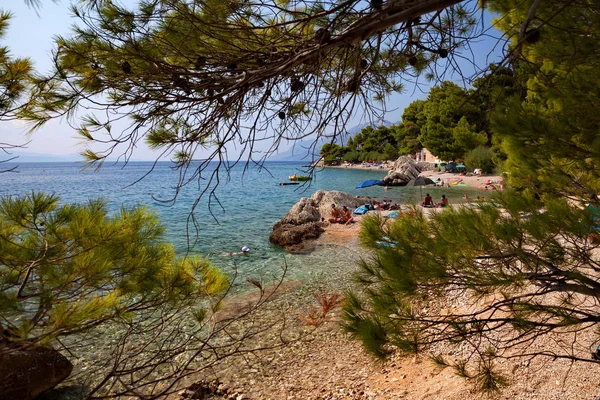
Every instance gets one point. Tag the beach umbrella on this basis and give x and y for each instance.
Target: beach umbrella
(369, 182)
(420, 181)
(460, 166)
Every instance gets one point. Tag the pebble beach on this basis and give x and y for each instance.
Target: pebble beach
(328, 364)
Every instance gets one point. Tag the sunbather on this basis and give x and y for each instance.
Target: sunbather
(346, 216)
(336, 216)
(427, 201)
(444, 202)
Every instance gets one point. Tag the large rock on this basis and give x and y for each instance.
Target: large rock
(304, 220)
(312, 209)
(303, 212)
(27, 372)
(427, 166)
(403, 170)
(323, 200)
(290, 235)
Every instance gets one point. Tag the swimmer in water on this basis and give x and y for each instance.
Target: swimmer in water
(233, 253)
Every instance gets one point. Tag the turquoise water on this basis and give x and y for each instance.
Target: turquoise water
(238, 211)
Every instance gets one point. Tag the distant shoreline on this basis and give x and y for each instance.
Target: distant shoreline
(475, 181)
(386, 167)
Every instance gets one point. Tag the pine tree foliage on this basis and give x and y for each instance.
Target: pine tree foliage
(81, 279)
(202, 74)
(552, 137)
(450, 121)
(524, 266)
(491, 277)
(15, 75)
(68, 268)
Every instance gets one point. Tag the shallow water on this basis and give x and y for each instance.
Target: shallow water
(241, 212)
(238, 211)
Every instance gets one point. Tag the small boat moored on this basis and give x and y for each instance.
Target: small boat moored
(300, 178)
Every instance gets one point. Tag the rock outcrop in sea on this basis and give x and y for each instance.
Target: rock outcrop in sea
(307, 217)
(404, 169)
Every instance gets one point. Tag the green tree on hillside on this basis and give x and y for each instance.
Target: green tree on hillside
(377, 144)
(453, 121)
(390, 152)
(483, 158)
(445, 108)
(414, 113)
(332, 153)
(407, 137)
(465, 137)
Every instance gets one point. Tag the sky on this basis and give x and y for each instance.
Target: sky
(31, 34)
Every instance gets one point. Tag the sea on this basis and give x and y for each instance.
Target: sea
(219, 210)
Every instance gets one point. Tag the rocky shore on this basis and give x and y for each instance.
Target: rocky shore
(323, 362)
(307, 219)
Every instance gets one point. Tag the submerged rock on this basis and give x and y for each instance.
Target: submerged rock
(27, 372)
(307, 217)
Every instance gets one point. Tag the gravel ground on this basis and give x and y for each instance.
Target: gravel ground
(326, 364)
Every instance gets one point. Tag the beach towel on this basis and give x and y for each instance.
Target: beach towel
(361, 210)
(393, 214)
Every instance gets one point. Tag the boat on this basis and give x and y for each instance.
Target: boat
(288, 183)
(300, 178)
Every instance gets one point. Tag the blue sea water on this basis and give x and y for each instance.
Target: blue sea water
(238, 207)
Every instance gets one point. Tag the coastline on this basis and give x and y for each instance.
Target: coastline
(474, 181)
(329, 365)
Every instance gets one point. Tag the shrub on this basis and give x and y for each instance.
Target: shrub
(482, 158)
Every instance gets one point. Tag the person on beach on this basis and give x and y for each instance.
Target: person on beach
(444, 202)
(347, 216)
(336, 216)
(427, 201)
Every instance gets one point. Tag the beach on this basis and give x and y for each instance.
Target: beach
(474, 181)
(328, 364)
